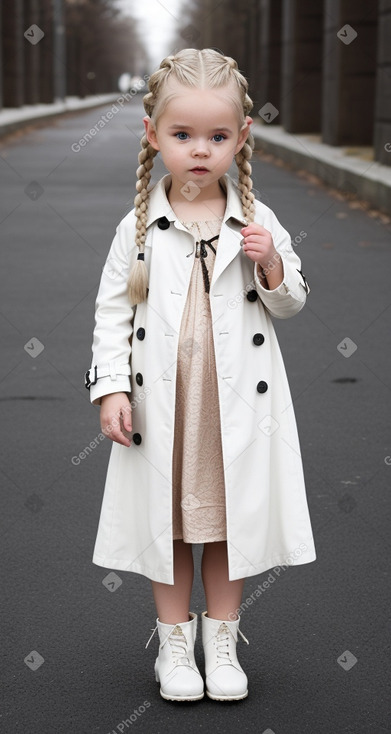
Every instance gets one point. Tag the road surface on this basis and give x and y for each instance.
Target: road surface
(74, 657)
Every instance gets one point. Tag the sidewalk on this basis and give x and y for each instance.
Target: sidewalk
(350, 169)
(14, 118)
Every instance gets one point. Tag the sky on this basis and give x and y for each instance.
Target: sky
(158, 20)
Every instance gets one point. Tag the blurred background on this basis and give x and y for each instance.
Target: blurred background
(300, 56)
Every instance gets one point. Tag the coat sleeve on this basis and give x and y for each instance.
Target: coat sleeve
(290, 296)
(111, 347)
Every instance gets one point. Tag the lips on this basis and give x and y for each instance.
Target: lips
(199, 169)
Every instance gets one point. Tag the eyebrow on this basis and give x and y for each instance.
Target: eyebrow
(188, 127)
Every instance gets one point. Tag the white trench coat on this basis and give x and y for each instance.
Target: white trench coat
(135, 351)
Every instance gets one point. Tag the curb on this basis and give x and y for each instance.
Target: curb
(12, 119)
(366, 179)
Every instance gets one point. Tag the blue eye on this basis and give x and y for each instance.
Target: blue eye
(220, 136)
(181, 136)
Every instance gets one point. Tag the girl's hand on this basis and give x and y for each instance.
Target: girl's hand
(116, 417)
(259, 247)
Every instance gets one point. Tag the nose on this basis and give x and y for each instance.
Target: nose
(201, 148)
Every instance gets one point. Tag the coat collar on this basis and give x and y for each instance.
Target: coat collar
(159, 206)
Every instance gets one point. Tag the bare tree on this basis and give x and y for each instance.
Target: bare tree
(101, 45)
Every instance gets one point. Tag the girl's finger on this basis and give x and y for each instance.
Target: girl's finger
(254, 241)
(127, 418)
(252, 254)
(254, 246)
(117, 436)
(253, 228)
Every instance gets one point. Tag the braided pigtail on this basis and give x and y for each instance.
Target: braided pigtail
(138, 278)
(243, 158)
(245, 183)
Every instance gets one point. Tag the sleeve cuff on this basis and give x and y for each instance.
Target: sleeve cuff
(107, 386)
(288, 298)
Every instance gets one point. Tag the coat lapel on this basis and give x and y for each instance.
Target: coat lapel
(227, 249)
(230, 237)
(229, 243)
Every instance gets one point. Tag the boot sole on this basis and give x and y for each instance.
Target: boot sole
(181, 698)
(226, 698)
(167, 697)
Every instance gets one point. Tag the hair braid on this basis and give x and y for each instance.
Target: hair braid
(138, 279)
(243, 158)
(245, 183)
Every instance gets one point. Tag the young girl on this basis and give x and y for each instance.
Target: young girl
(190, 379)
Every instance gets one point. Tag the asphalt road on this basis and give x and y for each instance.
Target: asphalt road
(73, 650)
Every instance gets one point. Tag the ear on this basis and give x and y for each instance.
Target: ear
(150, 132)
(243, 134)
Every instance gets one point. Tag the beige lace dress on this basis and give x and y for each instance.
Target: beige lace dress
(198, 474)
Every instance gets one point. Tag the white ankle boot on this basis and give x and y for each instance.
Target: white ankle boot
(225, 678)
(175, 667)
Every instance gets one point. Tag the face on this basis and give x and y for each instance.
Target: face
(198, 134)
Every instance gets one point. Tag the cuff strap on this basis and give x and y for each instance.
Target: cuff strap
(92, 375)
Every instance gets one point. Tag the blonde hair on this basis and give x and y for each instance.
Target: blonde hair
(203, 69)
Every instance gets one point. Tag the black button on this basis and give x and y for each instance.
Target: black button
(262, 386)
(258, 339)
(140, 333)
(139, 378)
(137, 439)
(163, 223)
(252, 296)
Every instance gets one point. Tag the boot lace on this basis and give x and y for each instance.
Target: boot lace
(178, 644)
(222, 641)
